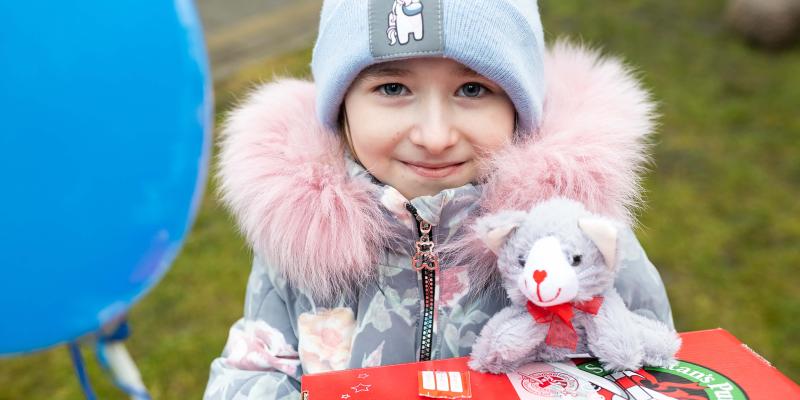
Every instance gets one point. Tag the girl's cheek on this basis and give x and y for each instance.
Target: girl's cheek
(377, 130)
(387, 127)
(376, 138)
(489, 128)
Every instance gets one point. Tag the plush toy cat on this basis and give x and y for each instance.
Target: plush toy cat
(558, 263)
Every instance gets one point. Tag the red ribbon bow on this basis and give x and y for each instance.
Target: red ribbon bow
(561, 332)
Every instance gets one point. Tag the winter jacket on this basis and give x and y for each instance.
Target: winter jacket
(332, 286)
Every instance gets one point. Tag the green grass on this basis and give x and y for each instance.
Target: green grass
(722, 221)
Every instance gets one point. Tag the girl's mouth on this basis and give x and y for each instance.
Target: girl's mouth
(434, 170)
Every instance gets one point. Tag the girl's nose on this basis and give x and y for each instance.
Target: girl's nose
(434, 130)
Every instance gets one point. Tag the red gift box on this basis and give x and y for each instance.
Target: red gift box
(713, 364)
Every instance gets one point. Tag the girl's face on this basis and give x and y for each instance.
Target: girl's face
(423, 125)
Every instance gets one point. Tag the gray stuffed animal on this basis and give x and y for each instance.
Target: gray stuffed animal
(558, 263)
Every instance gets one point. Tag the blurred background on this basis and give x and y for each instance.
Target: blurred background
(722, 221)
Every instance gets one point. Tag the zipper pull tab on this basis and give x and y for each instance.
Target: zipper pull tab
(425, 257)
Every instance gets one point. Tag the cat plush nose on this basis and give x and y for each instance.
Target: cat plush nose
(548, 278)
(539, 276)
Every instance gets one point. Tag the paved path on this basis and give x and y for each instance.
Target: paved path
(243, 32)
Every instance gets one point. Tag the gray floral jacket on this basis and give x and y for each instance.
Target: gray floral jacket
(399, 314)
(285, 334)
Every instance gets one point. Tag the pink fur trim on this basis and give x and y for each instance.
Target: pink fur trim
(591, 143)
(282, 174)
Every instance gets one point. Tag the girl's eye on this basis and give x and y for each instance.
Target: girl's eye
(472, 89)
(576, 260)
(393, 89)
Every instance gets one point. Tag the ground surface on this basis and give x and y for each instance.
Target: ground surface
(245, 32)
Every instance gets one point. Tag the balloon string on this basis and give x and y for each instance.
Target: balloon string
(134, 393)
(118, 376)
(77, 361)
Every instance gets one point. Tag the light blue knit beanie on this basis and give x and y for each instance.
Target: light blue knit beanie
(499, 39)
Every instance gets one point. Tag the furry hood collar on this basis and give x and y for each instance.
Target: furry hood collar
(284, 178)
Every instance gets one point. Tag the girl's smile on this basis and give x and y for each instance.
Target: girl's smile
(434, 171)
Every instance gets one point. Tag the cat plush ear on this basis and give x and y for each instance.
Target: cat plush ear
(604, 235)
(494, 229)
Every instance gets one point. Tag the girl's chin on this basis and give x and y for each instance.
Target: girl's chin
(411, 185)
(431, 187)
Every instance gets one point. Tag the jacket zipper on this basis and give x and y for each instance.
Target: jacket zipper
(426, 261)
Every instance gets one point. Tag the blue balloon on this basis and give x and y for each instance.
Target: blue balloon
(104, 147)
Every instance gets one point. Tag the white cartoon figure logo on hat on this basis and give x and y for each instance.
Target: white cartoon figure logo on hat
(405, 19)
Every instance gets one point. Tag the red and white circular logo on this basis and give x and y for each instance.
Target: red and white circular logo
(549, 383)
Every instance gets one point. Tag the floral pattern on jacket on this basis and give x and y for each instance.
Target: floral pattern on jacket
(260, 347)
(325, 337)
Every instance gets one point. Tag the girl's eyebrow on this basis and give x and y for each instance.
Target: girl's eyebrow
(469, 73)
(379, 71)
(464, 70)
(383, 71)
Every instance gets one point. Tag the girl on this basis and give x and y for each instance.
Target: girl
(356, 192)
